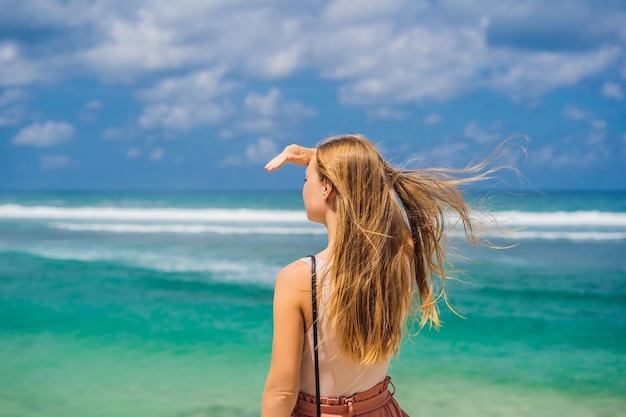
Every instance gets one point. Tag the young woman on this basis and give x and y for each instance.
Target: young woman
(386, 242)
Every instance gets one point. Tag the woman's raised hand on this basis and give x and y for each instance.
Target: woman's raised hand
(293, 154)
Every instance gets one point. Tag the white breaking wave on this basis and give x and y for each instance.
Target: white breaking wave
(184, 228)
(508, 218)
(560, 235)
(561, 218)
(14, 211)
(557, 225)
(234, 230)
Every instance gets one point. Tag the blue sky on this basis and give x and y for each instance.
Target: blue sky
(186, 95)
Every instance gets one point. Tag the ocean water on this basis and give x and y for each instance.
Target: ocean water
(134, 304)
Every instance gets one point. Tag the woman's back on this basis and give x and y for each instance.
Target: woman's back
(339, 374)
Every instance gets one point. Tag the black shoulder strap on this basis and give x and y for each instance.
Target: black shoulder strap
(315, 355)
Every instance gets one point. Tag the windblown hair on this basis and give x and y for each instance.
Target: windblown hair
(376, 258)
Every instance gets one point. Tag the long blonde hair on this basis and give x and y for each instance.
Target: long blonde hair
(376, 258)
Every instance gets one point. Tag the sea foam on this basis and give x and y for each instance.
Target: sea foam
(14, 211)
(513, 218)
(185, 228)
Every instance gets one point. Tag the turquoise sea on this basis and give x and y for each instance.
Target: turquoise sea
(159, 305)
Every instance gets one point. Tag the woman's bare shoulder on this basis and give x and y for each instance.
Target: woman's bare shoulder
(296, 275)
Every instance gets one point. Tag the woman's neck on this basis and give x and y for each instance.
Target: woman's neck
(331, 227)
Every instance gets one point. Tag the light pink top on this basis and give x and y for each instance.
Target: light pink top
(339, 376)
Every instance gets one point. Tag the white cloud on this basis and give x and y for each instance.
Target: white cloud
(156, 155)
(282, 63)
(574, 113)
(378, 63)
(44, 135)
(184, 115)
(119, 133)
(266, 113)
(433, 119)
(227, 134)
(277, 46)
(231, 160)
(54, 162)
(343, 11)
(272, 105)
(562, 156)
(91, 110)
(10, 96)
(14, 69)
(133, 46)
(187, 101)
(93, 105)
(199, 98)
(598, 124)
(532, 74)
(263, 105)
(297, 110)
(584, 146)
(133, 153)
(196, 86)
(11, 107)
(261, 151)
(480, 135)
(612, 90)
(386, 113)
(447, 154)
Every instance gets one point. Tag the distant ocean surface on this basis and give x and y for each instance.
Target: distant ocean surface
(159, 305)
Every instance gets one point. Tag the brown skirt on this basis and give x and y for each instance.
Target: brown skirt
(375, 402)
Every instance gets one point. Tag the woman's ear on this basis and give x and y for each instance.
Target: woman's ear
(327, 188)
